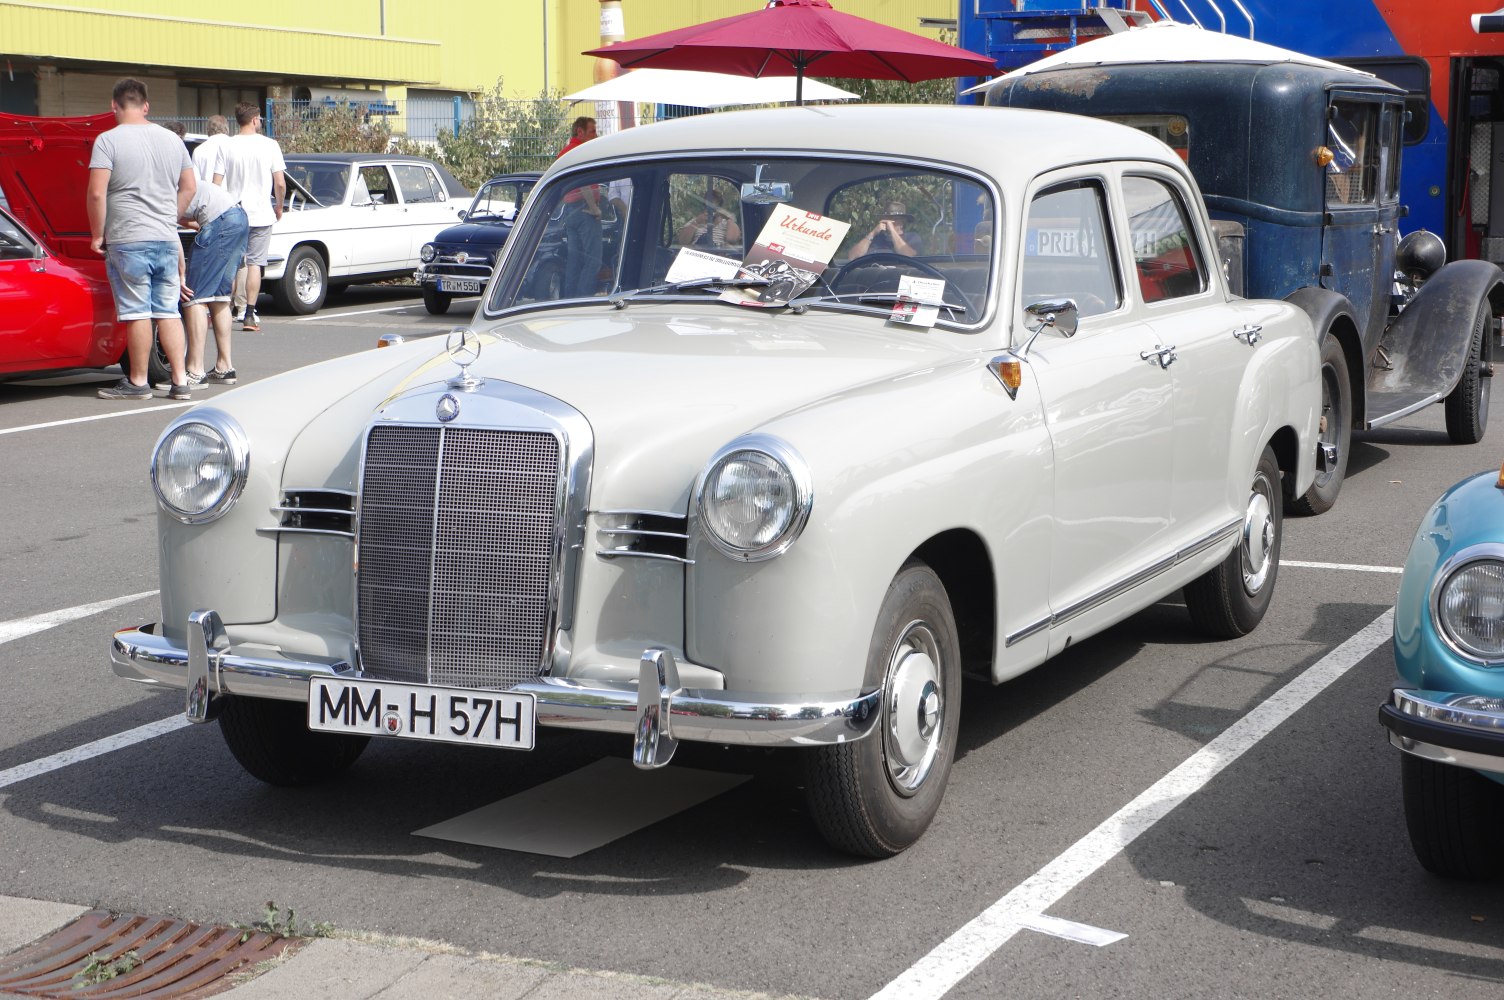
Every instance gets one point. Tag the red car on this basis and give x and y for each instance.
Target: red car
(56, 310)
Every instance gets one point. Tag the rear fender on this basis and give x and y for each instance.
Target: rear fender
(1332, 315)
(1428, 343)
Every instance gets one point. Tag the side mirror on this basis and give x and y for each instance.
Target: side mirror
(1061, 315)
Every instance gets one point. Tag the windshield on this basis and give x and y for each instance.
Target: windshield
(800, 231)
(325, 181)
(498, 201)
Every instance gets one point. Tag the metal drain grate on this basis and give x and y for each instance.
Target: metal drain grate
(179, 960)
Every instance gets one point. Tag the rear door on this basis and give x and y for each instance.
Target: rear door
(425, 204)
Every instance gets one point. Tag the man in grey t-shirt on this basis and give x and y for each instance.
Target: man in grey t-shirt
(140, 181)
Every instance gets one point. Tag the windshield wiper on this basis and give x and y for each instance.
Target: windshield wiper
(800, 305)
(620, 299)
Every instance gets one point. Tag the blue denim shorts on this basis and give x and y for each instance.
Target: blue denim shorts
(217, 250)
(144, 279)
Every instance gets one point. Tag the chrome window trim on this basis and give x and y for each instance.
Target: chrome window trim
(804, 496)
(1125, 584)
(240, 460)
(523, 220)
(505, 406)
(1482, 552)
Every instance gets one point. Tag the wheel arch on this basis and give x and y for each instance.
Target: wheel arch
(959, 557)
(1285, 443)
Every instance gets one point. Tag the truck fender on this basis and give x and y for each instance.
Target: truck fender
(1428, 343)
(1332, 315)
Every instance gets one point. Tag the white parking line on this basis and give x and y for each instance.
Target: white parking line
(97, 416)
(954, 958)
(151, 730)
(1354, 567)
(360, 312)
(22, 627)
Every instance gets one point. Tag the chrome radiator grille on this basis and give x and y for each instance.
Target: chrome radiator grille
(456, 543)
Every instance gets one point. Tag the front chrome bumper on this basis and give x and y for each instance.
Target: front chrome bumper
(1461, 729)
(655, 710)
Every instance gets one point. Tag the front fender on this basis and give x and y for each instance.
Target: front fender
(1427, 345)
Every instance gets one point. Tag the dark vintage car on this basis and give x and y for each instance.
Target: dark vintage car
(1299, 162)
(459, 260)
(55, 306)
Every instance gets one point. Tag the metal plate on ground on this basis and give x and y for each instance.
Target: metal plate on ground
(583, 810)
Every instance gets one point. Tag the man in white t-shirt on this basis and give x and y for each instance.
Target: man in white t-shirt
(255, 173)
(209, 157)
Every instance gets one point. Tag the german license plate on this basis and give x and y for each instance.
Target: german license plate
(422, 712)
(459, 285)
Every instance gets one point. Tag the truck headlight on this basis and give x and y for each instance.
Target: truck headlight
(428, 253)
(200, 466)
(1470, 609)
(754, 498)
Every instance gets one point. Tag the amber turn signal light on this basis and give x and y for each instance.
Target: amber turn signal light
(1324, 156)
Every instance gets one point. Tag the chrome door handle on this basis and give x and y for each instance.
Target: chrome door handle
(1163, 356)
(1250, 334)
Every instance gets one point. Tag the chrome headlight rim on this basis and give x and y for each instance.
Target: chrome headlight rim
(793, 463)
(236, 444)
(428, 253)
(1488, 552)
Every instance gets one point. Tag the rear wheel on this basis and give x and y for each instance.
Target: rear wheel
(1467, 406)
(876, 796)
(1230, 599)
(1335, 432)
(1455, 817)
(435, 301)
(272, 741)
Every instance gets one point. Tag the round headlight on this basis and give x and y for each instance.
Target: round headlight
(755, 498)
(1470, 609)
(199, 467)
(428, 253)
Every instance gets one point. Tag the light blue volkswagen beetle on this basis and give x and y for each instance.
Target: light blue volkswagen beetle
(1447, 714)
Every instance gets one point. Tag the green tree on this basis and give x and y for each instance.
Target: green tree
(506, 134)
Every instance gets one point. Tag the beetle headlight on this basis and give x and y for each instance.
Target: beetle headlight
(200, 466)
(754, 498)
(1470, 609)
(428, 253)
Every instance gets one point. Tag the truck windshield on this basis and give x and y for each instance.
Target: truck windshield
(801, 231)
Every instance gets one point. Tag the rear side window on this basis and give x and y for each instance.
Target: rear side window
(1165, 256)
(417, 182)
(1068, 249)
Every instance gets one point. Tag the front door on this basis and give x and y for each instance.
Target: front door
(1362, 206)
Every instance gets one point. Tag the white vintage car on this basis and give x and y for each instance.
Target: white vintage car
(355, 217)
(736, 508)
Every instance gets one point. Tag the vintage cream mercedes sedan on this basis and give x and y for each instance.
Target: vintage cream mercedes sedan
(837, 405)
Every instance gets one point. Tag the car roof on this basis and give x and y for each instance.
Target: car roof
(1003, 142)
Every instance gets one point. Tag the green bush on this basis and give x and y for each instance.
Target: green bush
(342, 128)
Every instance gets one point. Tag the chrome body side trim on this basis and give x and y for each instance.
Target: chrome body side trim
(734, 717)
(1127, 583)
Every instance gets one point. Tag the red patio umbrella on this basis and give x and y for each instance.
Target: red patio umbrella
(787, 37)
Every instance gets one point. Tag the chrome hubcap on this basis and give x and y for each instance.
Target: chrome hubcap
(914, 709)
(1258, 542)
(307, 279)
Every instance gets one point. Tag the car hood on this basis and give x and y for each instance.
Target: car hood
(661, 388)
(44, 172)
(477, 234)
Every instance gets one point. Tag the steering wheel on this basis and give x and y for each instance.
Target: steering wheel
(883, 257)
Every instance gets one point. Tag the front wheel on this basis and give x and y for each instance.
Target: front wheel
(1230, 599)
(1467, 405)
(1454, 817)
(876, 796)
(304, 283)
(272, 741)
(1335, 432)
(435, 301)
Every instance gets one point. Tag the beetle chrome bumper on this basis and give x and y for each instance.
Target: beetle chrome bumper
(656, 710)
(1462, 729)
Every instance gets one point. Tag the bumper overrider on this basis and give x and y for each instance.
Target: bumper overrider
(655, 710)
(1462, 729)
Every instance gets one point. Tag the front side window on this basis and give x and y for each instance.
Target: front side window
(1068, 249)
(698, 226)
(1165, 256)
(373, 186)
(14, 244)
(1352, 136)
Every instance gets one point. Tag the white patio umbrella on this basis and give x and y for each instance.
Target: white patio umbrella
(695, 89)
